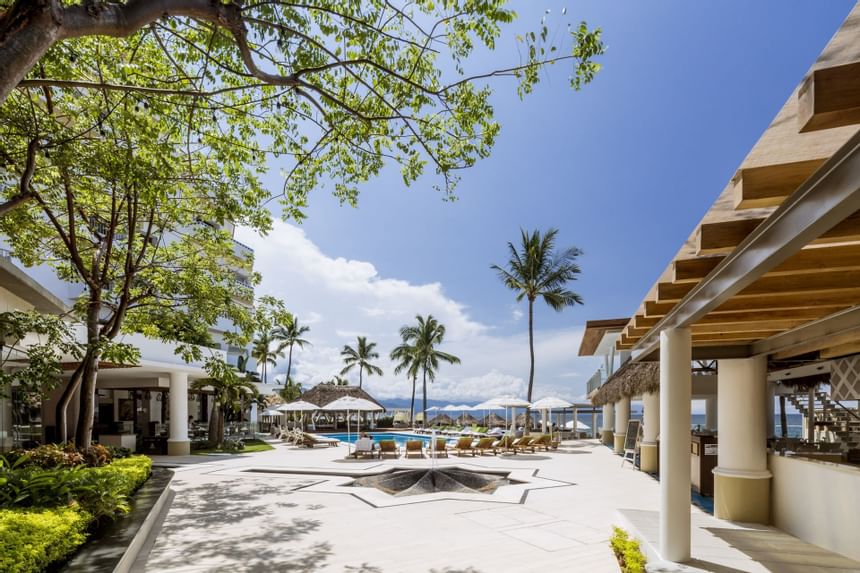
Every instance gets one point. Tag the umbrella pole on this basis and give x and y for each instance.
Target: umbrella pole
(347, 434)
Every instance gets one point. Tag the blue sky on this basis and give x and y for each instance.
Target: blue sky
(624, 168)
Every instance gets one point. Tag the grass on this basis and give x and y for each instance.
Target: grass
(251, 446)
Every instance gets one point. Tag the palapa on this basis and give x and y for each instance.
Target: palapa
(632, 379)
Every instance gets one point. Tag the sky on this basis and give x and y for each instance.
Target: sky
(624, 169)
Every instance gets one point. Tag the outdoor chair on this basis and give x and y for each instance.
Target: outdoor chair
(414, 447)
(363, 447)
(464, 445)
(485, 445)
(542, 442)
(388, 447)
(524, 444)
(441, 448)
(505, 443)
(310, 440)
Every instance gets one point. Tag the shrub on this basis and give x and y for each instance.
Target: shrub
(31, 539)
(627, 551)
(232, 446)
(48, 456)
(96, 455)
(117, 453)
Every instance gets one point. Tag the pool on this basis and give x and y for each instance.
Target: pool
(398, 437)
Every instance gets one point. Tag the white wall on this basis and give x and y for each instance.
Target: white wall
(817, 502)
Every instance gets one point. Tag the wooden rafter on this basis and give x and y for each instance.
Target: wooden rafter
(830, 97)
(769, 185)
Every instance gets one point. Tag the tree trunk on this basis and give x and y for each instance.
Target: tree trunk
(424, 412)
(531, 363)
(289, 365)
(412, 404)
(61, 412)
(27, 30)
(84, 431)
(359, 376)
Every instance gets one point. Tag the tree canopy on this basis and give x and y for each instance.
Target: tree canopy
(335, 88)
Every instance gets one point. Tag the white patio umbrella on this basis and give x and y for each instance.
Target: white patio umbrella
(430, 409)
(549, 403)
(513, 403)
(348, 403)
(298, 406)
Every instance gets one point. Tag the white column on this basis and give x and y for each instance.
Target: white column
(741, 478)
(254, 417)
(178, 444)
(622, 416)
(608, 424)
(543, 421)
(650, 431)
(675, 394)
(711, 409)
(6, 438)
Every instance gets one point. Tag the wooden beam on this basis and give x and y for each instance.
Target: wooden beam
(722, 237)
(634, 332)
(818, 345)
(642, 321)
(809, 260)
(750, 336)
(810, 284)
(842, 297)
(658, 309)
(840, 350)
(829, 97)
(800, 314)
(752, 326)
(769, 185)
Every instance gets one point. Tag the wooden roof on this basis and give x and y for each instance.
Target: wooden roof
(821, 279)
(595, 330)
(323, 394)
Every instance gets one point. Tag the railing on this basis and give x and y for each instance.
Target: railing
(596, 381)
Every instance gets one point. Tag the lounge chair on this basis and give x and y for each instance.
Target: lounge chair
(441, 448)
(388, 447)
(505, 443)
(363, 447)
(524, 444)
(485, 445)
(414, 447)
(464, 445)
(542, 442)
(311, 440)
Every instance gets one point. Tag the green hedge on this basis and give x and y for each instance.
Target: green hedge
(32, 539)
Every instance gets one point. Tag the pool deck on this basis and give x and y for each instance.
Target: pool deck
(223, 517)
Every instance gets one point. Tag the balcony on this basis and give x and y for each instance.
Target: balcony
(596, 381)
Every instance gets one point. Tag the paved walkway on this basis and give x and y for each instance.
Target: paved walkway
(227, 517)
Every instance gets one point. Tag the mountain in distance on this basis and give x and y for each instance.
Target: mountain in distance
(403, 403)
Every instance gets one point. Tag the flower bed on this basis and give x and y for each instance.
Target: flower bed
(50, 501)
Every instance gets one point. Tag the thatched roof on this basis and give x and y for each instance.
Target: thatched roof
(493, 420)
(632, 379)
(323, 394)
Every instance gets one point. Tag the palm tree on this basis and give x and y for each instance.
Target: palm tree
(361, 356)
(538, 271)
(230, 390)
(425, 337)
(289, 335)
(405, 356)
(264, 354)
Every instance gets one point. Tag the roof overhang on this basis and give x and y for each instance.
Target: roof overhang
(600, 333)
(773, 268)
(21, 285)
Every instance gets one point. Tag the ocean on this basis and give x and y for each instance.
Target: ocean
(795, 422)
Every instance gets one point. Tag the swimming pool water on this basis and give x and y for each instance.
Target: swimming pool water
(398, 437)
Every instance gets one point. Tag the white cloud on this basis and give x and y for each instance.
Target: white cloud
(355, 300)
(516, 313)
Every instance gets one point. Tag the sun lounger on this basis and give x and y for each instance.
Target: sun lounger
(464, 445)
(542, 442)
(414, 448)
(311, 440)
(524, 444)
(485, 445)
(505, 443)
(363, 447)
(441, 448)
(388, 448)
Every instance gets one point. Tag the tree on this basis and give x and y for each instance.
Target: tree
(337, 381)
(406, 357)
(125, 206)
(425, 337)
(360, 356)
(290, 334)
(339, 88)
(265, 354)
(535, 271)
(230, 392)
(32, 346)
(291, 390)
